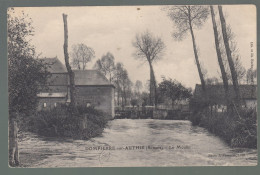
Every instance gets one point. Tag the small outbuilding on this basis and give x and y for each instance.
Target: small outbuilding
(92, 89)
(216, 94)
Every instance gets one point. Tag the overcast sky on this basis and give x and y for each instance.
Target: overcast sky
(113, 29)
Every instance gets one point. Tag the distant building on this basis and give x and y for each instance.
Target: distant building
(216, 94)
(92, 88)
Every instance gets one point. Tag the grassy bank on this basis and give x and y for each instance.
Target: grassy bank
(83, 123)
(237, 130)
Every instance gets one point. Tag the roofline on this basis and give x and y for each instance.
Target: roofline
(52, 97)
(59, 72)
(101, 85)
(84, 85)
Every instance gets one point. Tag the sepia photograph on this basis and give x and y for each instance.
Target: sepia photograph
(132, 86)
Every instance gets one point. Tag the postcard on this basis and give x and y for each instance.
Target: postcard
(132, 86)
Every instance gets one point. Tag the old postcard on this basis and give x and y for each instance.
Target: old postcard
(132, 86)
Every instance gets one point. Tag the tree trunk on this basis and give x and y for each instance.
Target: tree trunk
(153, 98)
(122, 100)
(118, 98)
(220, 60)
(66, 56)
(196, 55)
(229, 56)
(13, 143)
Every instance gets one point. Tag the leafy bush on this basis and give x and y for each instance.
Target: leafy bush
(83, 123)
(237, 131)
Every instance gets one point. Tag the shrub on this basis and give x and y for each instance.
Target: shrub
(83, 123)
(237, 131)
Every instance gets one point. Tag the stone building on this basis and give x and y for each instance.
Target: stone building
(92, 89)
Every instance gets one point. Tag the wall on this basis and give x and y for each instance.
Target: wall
(101, 97)
(49, 102)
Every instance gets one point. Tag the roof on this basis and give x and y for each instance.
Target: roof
(55, 65)
(82, 77)
(217, 91)
(90, 78)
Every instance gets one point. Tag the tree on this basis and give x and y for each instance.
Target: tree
(134, 102)
(26, 76)
(123, 84)
(106, 65)
(81, 55)
(220, 60)
(118, 76)
(211, 81)
(150, 48)
(239, 68)
(229, 54)
(187, 18)
(126, 85)
(251, 76)
(145, 98)
(66, 57)
(173, 90)
(138, 86)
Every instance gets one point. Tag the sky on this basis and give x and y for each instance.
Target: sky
(113, 29)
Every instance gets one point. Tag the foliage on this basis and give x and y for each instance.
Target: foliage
(134, 102)
(58, 122)
(81, 55)
(237, 131)
(174, 90)
(26, 75)
(145, 99)
(212, 80)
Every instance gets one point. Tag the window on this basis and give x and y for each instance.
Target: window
(44, 105)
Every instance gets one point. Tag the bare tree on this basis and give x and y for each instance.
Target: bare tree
(251, 76)
(118, 77)
(126, 86)
(187, 18)
(66, 57)
(219, 55)
(150, 48)
(81, 55)
(138, 86)
(229, 54)
(106, 65)
(240, 69)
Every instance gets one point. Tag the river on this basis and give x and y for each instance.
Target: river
(144, 142)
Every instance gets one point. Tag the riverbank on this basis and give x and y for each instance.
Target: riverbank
(82, 123)
(236, 130)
